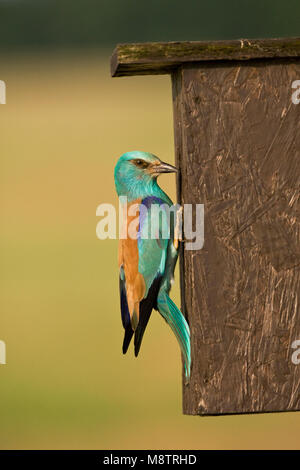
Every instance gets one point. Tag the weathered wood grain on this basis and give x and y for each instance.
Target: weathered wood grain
(237, 140)
(164, 57)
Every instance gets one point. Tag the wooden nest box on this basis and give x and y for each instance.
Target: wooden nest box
(237, 144)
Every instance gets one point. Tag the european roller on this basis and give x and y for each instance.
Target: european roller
(147, 260)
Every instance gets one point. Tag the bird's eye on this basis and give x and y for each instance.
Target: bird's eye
(140, 163)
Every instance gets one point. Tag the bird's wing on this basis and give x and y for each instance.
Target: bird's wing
(131, 282)
(124, 311)
(154, 233)
(142, 263)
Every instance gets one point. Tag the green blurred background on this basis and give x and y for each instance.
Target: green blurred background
(66, 383)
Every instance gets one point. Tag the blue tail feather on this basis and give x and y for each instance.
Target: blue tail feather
(179, 326)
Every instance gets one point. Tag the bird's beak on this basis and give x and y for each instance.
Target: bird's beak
(163, 167)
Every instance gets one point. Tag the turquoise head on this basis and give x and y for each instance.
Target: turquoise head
(136, 173)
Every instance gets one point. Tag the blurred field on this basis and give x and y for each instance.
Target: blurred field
(66, 383)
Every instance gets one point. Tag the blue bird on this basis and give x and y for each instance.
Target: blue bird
(147, 260)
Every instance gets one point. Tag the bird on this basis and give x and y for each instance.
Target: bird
(147, 263)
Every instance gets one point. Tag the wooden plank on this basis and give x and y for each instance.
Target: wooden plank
(161, 58)
(237, 141)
